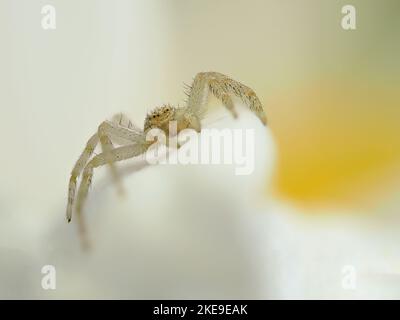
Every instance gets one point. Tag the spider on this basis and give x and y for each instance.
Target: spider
(132, 140)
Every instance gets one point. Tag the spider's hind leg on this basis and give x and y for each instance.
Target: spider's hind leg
(137, 147)
(108, 132)
(76, 171)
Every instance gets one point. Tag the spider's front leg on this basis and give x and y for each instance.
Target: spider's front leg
(223, 88)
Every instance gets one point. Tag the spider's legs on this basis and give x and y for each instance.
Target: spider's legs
(107, 129)
(76, 171)
(218, 90)
(117, 154)
(222, 87)
(106, 146)
(247, 95)
(108, 132)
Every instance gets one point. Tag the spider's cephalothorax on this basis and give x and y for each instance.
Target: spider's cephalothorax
(163, 117)
(160, 118)
(132, 140)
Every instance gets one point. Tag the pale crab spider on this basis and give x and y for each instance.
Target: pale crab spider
(133, 140)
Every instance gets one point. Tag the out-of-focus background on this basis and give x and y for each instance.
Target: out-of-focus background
(319, 218)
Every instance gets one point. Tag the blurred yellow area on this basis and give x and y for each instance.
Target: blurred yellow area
(337, 140)
(331, 95)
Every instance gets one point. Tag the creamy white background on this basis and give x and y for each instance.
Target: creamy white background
(180, 232)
